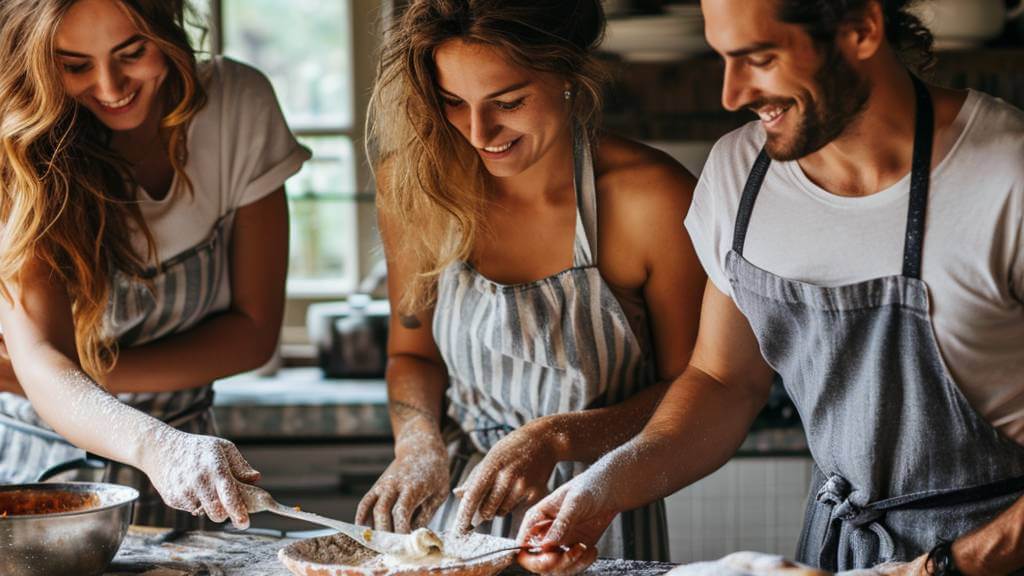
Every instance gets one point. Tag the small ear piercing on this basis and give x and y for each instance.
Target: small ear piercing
(567, 94)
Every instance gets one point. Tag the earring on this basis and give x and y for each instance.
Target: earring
(567, 94)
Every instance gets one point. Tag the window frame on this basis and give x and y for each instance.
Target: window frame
(364, 19)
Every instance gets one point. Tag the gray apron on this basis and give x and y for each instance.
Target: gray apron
(181, 294)
(519, 352)
(902, 459)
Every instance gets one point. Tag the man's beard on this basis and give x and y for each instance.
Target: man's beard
(843, 96)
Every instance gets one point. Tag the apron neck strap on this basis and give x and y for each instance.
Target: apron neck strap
(920, 176)
(919, 181)
(750, 191)
(585, 242)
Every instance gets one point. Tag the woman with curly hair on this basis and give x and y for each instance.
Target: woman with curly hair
(143, 247)
(545, 289)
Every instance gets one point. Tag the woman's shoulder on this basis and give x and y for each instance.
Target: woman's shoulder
(235, 82)
(225, 69)
(635, 178)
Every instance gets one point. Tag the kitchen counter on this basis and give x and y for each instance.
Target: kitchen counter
(300, 404)
(154, 552)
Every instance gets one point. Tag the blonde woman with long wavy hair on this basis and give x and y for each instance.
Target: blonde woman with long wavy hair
(143, 247)
(544, 287)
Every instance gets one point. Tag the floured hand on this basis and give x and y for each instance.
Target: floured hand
(412, 488)
(192, 473)
(569, 523)
(514, 473)
(541, 557)
(198, 474)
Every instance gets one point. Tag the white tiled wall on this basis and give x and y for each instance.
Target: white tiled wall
(749, 504)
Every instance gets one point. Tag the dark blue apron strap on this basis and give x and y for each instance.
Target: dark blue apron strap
(924, 128)
(951, 497)
(750, 191)
(920, 175)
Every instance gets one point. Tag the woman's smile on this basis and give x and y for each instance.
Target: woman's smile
(500, 151)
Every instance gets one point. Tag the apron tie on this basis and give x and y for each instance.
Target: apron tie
(487, 432)
(835, 492)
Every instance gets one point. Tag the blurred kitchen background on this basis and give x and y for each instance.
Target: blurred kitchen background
(315, 422)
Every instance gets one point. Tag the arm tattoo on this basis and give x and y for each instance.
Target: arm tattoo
(406, 412)
(409, 321)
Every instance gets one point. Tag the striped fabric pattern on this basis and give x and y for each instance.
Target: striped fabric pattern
(519, 352)
(172, 299)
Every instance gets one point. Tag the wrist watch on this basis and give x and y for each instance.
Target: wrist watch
(940, 560)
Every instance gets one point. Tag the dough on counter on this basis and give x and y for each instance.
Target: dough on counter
(423, 542)
(747, 564)
(339, 554)
(423, 548)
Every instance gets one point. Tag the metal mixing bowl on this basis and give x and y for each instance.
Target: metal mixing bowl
(81, 542)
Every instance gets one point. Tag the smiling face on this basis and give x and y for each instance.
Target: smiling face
(107, 65)
(806, 95)
(512, 116)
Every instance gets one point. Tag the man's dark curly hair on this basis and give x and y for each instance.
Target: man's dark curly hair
(905, 31)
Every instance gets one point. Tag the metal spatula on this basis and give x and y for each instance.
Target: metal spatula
(259, 500)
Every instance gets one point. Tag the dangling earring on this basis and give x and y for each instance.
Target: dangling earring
(567, 94)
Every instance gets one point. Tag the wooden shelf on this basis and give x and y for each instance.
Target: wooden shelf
(681, 100)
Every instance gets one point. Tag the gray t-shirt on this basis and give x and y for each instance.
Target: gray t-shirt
(973, 259)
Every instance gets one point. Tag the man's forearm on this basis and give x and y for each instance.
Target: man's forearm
(698, 426)
(996, 548)
(587, 435)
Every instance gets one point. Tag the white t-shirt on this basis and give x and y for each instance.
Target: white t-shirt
(240, 149)
(973, 261)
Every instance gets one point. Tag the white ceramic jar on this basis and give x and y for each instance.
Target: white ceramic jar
(960, 24)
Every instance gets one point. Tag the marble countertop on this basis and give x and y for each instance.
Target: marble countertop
(151, 552)
(299, 403)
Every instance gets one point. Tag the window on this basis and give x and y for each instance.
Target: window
(318, 56)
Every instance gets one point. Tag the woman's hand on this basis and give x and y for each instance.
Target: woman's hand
(514, 473)
(199, 474)
(412, 488)
(567, 525)
(552, 560)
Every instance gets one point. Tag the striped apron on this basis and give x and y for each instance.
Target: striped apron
(515, 353)
(172, 299)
